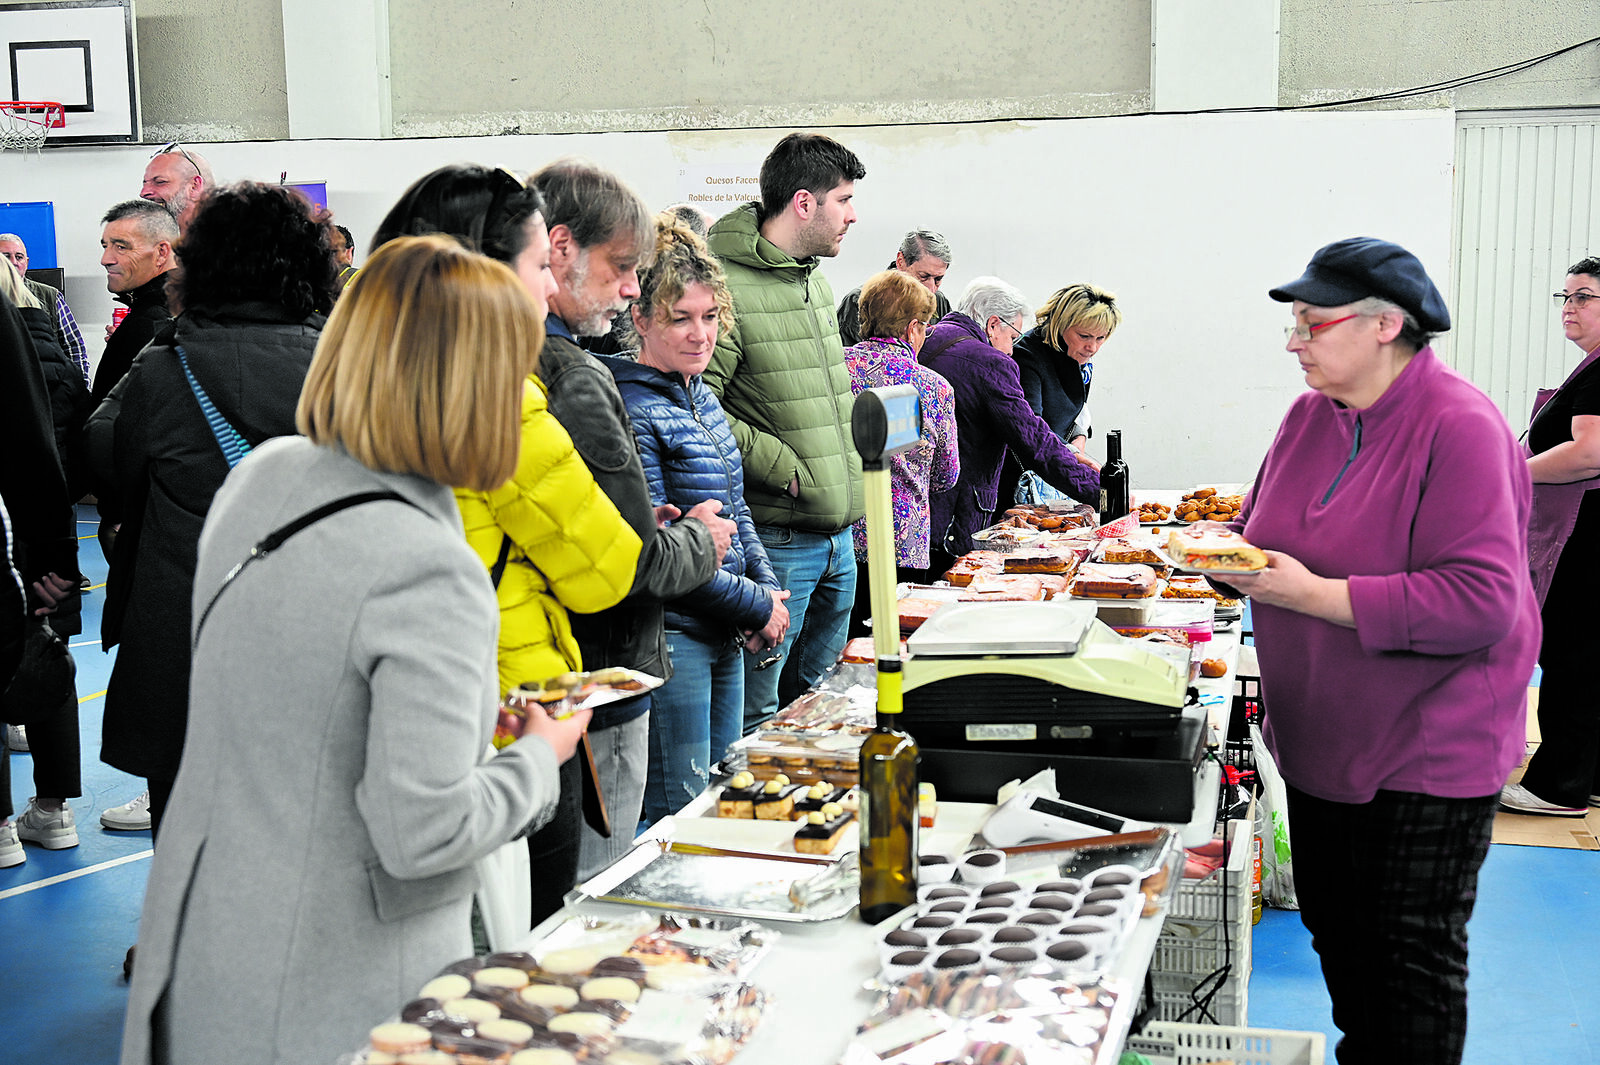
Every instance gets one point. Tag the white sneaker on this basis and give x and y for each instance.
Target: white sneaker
(1519, 800)
(11, 852)
(17, 737)
(129, 817)
(53, 830)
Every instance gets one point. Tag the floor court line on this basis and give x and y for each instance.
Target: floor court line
(75, 874)
(85, 698)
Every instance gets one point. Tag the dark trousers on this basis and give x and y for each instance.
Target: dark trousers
(1566, 767)
(160, 795)
(862, 610)
(553, 850)
(1385, 889)
(54, 747)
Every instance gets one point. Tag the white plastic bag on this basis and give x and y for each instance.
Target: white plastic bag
(505, 895)
(505, 890)
(1277, 857)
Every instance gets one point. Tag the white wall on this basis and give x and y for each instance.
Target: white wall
(1188, 220)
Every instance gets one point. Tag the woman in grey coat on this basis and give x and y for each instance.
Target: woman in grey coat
(317, 860)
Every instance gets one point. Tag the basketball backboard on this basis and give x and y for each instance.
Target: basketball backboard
(79, 53)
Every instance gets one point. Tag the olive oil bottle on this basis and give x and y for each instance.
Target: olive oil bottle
(889, 759)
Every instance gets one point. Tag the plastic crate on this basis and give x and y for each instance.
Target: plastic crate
(1208, 921)
(1247, 708)
(1202, 999)
(1168, 1043)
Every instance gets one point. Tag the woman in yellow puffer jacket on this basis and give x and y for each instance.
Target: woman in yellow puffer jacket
(565, 545)
(569, 548)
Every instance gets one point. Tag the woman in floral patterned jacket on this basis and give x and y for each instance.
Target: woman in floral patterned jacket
(895, 313)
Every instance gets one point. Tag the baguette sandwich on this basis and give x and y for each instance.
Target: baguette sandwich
(1214, 549)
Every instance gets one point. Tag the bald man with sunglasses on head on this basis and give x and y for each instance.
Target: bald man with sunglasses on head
(177, 177)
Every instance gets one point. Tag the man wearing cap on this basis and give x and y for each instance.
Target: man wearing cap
(1396, 631)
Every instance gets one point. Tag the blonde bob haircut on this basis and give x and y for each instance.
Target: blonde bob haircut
(13, 288)
(422, 365)
(1077, 305)
(890, 302)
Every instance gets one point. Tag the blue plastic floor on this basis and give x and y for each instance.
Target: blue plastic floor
(69, 916)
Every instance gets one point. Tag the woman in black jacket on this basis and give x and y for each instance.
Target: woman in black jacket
(255, 278)
(1055, 360)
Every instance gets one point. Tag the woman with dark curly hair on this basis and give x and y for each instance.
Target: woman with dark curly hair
(255, 277)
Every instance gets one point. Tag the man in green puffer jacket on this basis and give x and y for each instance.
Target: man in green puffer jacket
(781, 377)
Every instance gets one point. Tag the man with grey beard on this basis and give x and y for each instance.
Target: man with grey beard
(601, 232)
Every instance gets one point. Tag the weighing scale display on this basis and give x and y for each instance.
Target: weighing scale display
(885, 421)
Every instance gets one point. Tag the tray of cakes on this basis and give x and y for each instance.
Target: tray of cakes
(802, 758)
(769, 818)
(1194, 587)
(1116, 582)
(670, 989)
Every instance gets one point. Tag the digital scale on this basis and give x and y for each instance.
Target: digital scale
(996, 692)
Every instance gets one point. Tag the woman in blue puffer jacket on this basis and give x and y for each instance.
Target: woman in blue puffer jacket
(689, 454)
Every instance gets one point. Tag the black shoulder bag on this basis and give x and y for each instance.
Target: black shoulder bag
(275, 539)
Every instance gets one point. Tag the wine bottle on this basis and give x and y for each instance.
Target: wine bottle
(889, 760)
(1114, 497)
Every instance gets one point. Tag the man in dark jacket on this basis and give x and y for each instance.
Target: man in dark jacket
(600, 230)
(925, 256)
(781, 376)
(137, 254)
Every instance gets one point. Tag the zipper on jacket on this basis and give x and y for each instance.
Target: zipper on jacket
(1355, 449)
(727, 473)
(846, 444)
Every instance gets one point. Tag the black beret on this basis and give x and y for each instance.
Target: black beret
(1350, 270)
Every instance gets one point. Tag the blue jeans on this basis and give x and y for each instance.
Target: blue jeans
(693, 718)
(820, 572)
(621, 760)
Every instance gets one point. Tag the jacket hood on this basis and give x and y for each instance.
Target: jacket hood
(736, 237)
(629, 370)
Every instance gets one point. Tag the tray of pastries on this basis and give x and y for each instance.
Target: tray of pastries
(1207, 504)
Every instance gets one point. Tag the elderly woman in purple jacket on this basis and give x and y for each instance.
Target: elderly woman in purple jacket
(971, 348)
(689, 455)
(1395, 639)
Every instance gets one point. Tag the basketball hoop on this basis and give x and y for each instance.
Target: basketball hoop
(25, 124)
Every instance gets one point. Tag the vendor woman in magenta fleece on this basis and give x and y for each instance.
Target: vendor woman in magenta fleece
(1396, 636)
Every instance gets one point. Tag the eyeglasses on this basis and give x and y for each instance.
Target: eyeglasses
(174, 146)
(1580, 298)
(1017, 333)
(1305, 330)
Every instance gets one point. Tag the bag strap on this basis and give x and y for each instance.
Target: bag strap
(275, 539)
(940, 346)
(499, 568)
(234, 446)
